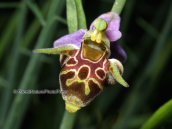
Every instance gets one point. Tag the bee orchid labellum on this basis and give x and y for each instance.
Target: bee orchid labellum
(86, 69)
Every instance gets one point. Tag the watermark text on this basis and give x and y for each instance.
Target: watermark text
(45, 91)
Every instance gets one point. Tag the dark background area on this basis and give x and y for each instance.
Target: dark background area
(147, 40)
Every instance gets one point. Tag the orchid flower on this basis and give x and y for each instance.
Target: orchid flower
(86, 67)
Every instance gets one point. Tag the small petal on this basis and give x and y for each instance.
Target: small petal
(117, 52)
(113, 35)
(73, 38)
(115, 72)
(114, 21)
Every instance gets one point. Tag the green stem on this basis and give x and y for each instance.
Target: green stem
(118, 6)
(76, 20)
(68, 120)
(126, 18)
(161, 115)
(80, 15)
(72, 19)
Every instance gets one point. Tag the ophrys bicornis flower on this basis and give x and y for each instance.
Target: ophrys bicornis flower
(86, 69)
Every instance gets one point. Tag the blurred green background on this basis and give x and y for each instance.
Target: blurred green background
(29, 24)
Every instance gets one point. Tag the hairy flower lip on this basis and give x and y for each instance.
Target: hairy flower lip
(112, 32)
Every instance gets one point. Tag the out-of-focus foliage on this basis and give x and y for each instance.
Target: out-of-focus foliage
(146, 38)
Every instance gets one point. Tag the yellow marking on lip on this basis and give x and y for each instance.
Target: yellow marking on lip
(77, 79)
(101, 69)
(95, 81)
(72, 64)
(98, 75)
(64, 72)
(87, 89)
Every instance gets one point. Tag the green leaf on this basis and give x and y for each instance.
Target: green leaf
(15, 55)
(159, 117)
(75, 15)
(35, 25)
(80, 15)
(147, 27)
(118, 6)
(8, 32)
(34, 8)
(137, 97)
(16, 108)
(60, 19)
(3, 83)
(10, 5)
(72, 19)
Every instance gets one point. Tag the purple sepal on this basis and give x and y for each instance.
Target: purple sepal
(113, 35)
(117, 52)
(113, 21)
(73, 38)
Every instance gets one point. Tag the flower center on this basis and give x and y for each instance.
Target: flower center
(100, 26)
